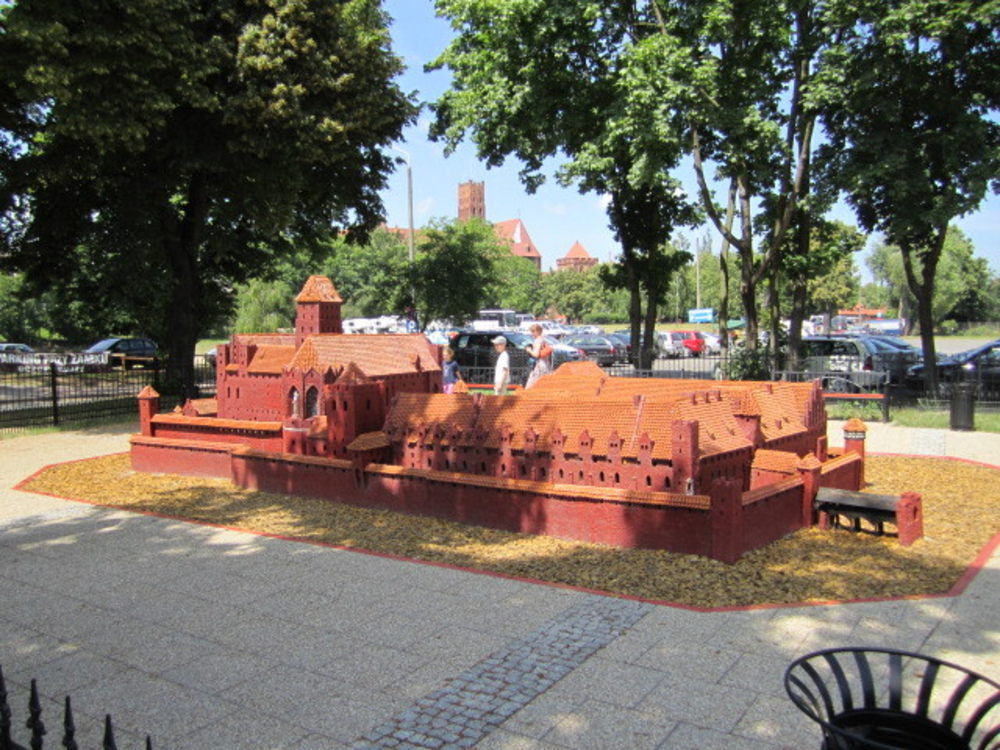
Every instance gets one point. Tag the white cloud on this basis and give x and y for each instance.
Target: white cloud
(556, 209)
(424, 207)
(604, 201)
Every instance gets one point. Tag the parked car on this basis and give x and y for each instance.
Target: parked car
(670, 344)
(12, 348)
(889, 354)
(844, 364)
(691, 341)
(713, 345)
(623, 346)
(598, 349)
(980, 365)
(563, 352)
(127, 352)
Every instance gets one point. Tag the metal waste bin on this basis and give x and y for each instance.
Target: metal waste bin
(963, 409)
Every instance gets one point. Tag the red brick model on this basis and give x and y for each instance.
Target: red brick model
(711, 469)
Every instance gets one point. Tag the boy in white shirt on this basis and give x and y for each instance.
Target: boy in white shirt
(501, 375)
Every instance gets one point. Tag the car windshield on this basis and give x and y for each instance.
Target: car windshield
(519, 340)
(102, 346)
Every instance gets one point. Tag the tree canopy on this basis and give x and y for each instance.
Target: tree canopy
(166, 149)
(912, 118)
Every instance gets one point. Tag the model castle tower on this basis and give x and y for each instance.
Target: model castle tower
(317, 309)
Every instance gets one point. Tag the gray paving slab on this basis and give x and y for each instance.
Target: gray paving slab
(209, 638)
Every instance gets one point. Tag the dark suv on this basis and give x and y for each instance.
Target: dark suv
(126, 352)
(844, 364)
(476, 355)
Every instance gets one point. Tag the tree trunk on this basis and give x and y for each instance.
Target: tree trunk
(182, 240)
(796, 316)
(648, 349)
(923, 291)
(724, 269)
(635, 312)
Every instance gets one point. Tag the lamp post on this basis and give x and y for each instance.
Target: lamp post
(410, 236)
(409, 200)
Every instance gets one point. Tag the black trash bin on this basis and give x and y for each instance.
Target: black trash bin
(963, 409)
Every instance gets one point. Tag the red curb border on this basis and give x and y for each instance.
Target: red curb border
(957, 589)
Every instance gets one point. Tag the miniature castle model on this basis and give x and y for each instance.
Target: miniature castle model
(714, 469)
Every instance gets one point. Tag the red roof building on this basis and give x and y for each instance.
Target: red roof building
(577, 259)
(521, 245)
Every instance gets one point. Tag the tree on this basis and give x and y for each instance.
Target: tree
(570, 80)
(169, 148)
(372, 278)
(961, 283)
(264, 306)
(570, 292)
(823, 278)
(741, 77)
(914, 139)
(454, 270)
(517, 285)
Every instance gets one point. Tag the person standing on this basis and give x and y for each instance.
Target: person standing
(449, 369)
(501, 373)
(542, 353)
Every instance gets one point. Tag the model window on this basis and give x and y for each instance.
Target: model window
(312, 402)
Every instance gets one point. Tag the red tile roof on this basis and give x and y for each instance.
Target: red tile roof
(318, 289)
(373, 356)
(369, 441)
(549, 412)
(268, 360)
(781, 462)
(578, 251)
(516, 233)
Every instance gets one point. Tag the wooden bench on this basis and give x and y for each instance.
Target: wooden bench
(904, 511)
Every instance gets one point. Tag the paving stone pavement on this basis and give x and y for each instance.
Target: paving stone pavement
(478, 701)
(209, 638)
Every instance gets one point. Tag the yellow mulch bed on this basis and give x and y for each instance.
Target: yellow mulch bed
(961, 514)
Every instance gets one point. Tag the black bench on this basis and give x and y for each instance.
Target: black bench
(832, 505)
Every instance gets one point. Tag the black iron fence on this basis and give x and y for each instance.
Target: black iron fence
(50, 392)
(53, 391)
(37, 730)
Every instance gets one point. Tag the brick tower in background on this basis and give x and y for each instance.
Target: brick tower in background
(472, 201)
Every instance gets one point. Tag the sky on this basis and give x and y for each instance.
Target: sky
(554, 216)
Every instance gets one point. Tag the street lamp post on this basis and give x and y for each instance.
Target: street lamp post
(411, 240)
(409, 200)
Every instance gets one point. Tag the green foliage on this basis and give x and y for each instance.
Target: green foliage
(572, 80)
(516, 285)
(372, 278)
(264, 306)
(156, 152)
(962, 282)
(455, 269)
(748, 364)
(20, 319)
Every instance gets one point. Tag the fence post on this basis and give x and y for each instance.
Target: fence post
(54, 389)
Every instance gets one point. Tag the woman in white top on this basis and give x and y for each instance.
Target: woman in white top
(542, 353)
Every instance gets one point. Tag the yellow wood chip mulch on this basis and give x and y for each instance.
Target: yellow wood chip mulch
(961, 514)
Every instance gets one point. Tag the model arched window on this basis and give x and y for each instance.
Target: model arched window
(294, 407)
(312, 402)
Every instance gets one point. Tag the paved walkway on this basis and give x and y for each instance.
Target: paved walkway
(210, 639)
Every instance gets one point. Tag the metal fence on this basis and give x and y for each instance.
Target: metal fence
(53, 393)
(67, 391)
(37, 730)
